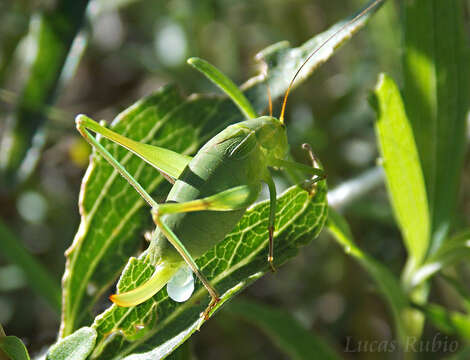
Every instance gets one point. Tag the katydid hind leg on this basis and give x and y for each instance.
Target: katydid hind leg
(173, 239)
(227, 200)
(162, 274)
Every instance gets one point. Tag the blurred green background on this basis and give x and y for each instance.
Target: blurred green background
(132, 47)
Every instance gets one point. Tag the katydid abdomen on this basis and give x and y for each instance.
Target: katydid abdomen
(218, 166)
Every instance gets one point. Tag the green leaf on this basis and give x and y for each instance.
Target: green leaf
(74, 347)
(13, 348)
(285, 331)
(403, 172)
(156, 327)
(447, 321)
(436, 94)
(386, 282)
(113, 215)
(451, 252)
(38, 277)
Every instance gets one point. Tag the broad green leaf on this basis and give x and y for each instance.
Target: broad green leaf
(285, 331)
(113, 215)
(152, 330)
(74, 347)
(403, 172)
(38, 278)
(453, 250)
(52, 33)
(447, 321)
(436, 95)
(386, 282)
(13, 348)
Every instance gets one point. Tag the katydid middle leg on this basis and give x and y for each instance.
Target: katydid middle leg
(272, 214)
(315, 170)
(317, 173)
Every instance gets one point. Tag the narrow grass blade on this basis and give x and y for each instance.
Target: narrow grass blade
(52, 33)
(284, 331)
(386, 282)
(224, 83)
(38, 277)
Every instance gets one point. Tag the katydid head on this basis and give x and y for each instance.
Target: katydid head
(271, 135)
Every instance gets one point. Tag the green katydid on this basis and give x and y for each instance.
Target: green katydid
(212, 190)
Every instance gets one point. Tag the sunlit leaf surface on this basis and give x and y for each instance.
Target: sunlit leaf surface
(401, 163)
(156, 327)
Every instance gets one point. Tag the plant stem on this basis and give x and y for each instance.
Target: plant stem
(355, 188)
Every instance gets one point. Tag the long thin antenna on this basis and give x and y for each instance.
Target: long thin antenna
(357, 17)
(270, 99)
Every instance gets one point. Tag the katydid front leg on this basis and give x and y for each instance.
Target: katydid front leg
(169, 163)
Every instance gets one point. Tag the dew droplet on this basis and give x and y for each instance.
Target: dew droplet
(181, 285)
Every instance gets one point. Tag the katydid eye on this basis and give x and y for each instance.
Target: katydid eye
(181, 285)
